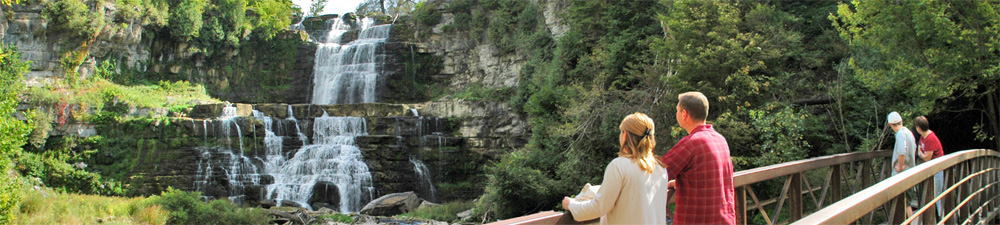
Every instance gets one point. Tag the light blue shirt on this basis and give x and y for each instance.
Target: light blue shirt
(906, 145)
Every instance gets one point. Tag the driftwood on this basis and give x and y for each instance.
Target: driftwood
(300, 216)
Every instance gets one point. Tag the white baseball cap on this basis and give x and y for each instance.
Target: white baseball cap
(894, 118)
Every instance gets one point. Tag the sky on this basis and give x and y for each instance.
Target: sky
(332, 6)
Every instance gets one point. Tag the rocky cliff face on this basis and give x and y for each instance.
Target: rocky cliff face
(24, 27)
(257, 71)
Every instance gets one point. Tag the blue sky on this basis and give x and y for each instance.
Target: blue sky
(332, 6)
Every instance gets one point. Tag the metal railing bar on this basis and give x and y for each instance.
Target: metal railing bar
(980, 210)
(963, 203)
(948, 191)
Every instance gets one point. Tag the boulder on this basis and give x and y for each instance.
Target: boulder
(267, 203)
(325, 195)
(392, 204)
(290, 203)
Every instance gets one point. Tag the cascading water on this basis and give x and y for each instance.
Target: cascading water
(348, 73)
(272, 144)
(298, 131)
(332, 157)
(240, 170)
(426, 183)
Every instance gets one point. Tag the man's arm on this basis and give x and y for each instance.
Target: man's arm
(926, 156)
(900, 163)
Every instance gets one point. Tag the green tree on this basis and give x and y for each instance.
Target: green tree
(72, 17)
(752, 59)
(186, 19)
(13, 132)
(386, 7)
(273, 16)
(926, 56)
(317, 7)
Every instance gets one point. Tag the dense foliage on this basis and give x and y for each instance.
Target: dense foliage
(13, 132)
(928, 56)
(786, 80)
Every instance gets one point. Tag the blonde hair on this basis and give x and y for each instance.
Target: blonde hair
(639, 141)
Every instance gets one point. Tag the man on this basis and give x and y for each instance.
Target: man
(903, 155)
(701, 168)
(929, 149)
(904, 150)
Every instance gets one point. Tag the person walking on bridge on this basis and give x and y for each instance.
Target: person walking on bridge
(903, 153)
(634, 189)
(930, 149)
(701, 167)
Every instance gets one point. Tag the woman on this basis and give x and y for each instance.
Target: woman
(634, 190)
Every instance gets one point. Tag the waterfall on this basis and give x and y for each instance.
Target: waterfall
(298, 131)
(348, 73)
(333, 157)
(240, 170)
(273, 157)
(414, 111)
(425, 178)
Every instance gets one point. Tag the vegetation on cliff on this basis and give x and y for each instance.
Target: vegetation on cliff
(13, 132)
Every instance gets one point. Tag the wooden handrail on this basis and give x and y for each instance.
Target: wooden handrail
(756, 175)
(865, 201)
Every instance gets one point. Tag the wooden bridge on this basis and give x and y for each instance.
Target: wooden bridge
(855, 188)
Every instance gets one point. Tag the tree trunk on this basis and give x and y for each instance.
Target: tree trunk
(381, 5)
(992, 108)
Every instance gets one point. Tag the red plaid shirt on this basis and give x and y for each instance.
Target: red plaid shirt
(703, 172)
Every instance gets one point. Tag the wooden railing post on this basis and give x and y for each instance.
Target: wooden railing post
(898, 211)
(795, 196)
(950, 178)
(866, 174)
(835, 191)
(741, 205)
(926, 195)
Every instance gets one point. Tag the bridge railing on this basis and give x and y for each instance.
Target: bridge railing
(841, 174)
(970, 194)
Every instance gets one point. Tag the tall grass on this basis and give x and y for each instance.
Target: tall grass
(49, 207)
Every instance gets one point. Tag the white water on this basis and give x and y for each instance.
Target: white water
(426, 183)
(349, 73)
(240, 170)
(332, 157)
(298, 131)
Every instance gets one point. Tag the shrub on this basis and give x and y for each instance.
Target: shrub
(187, 208)
(72, 17)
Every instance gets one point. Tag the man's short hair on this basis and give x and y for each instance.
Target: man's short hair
(921, 122)
(695, 103)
